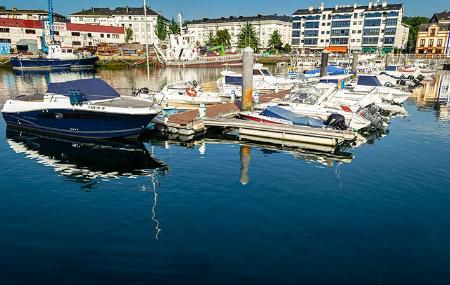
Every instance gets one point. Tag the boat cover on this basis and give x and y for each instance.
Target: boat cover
(233, 80)
(281, 113)
(369, 81)
(91, 89)
(331, 70)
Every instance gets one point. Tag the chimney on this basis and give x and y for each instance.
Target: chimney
(355, 5)
(14, 8)
(337, 7)
(370, 5)
(127, 9)
(322, 6)
(310, 8)
(375, 4)
(384, 5)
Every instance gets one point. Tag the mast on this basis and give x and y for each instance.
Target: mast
(146, 43)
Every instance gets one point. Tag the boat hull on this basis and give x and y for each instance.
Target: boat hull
(50, 64)
(80, 124)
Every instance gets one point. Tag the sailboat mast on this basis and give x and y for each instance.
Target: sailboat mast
(146, 42)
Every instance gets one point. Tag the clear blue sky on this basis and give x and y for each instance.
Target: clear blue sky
(193, 9)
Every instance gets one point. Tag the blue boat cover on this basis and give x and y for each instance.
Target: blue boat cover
(331, 70)
(391, 68)
(368, 81)
(281, 113)
(91, 89)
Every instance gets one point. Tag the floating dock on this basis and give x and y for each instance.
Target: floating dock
(188, 125)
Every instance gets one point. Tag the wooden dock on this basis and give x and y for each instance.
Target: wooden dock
(188, 125)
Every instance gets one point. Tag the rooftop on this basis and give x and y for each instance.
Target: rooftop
(442, 27)
(15, 11)
(348, 8)
(117, 11)
(232, 19)
(440, 17)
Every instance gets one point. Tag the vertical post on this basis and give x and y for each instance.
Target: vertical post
(146, 42)
(355, 62)
(388, 59)
(324, 64)
(247, 79)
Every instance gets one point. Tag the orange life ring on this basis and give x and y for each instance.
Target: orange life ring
(190, 91)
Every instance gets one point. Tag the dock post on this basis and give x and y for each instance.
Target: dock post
(324, 63)
(247, 79)
(355, 62)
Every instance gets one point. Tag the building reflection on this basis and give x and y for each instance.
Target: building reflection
(245, 155)
(435, 91)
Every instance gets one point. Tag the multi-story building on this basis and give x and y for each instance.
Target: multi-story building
(434, 37)
(29, 15)
(127, 17)
(26, 35)
(264, 26)
(376, 27)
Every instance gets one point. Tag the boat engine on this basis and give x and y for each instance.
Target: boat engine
(337, 122)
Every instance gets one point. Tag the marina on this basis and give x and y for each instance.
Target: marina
(303, 149)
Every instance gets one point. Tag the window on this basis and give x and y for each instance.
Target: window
(108, 35)
(372, 23)
(295, 42)
(102, 35)
(431, 43)
(370, 41)
(390, 31)
(75, 34)
(339, 24)
(339, 41)
(389, 41)
(8, 41)
(297, 25)
(371, 32)
(355, 15)
(439, 43)
(76, 43)
(310, 42)
(341, 16)
(29, 31)
(4, 30)
(422, 42)
(295, 34)
(340, 33)
(432, 32)
(311, 25)
(392, 14)
(311, 33)
(391, 22)
(89, 34)
(56, 33)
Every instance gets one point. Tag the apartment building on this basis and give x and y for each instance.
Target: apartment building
(434, 37)
(26, 35)
(264, 26)
(126, 17)
(15, 13)
(375, 27)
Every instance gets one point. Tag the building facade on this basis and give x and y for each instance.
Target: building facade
(264, 26)
(29, 15)
(375, 27)
(18, 33)
(434, 37)
(126, 17)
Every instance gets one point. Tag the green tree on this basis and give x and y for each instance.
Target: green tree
(247, 37)
(2, 8)
(161, 28)
(287, 48)
(275, 43)
(174, 28)
(414, 23)
(128, 34)
(211, 39)
(223, 38)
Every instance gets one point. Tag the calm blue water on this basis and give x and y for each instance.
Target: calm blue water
(162, 213)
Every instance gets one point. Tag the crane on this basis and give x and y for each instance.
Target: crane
(49, 18)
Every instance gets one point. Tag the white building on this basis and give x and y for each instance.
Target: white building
(29, 15)
(127, 17)
(375, 27)
(263, 25)
(26, 35)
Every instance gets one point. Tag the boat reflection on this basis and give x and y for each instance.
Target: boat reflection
(86, 161)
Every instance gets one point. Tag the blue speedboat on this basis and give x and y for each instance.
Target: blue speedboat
(57, 58)
(87, 108)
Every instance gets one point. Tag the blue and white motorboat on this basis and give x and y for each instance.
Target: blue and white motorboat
(57, 58)
(87, 108)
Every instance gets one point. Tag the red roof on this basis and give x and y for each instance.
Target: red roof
(36, 24)
(95, 28)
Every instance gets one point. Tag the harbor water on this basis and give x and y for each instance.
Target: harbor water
(221, 211)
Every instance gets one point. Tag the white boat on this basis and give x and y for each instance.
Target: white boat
(183, 94)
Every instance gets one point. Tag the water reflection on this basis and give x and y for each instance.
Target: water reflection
(245, 163)
(83, 161)
(435, 91)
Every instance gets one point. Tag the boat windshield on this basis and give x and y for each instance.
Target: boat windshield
(265, 72)
(369, 81)
(304, 97)
(233, 80)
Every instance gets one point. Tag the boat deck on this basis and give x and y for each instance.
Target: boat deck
(126, 103)
(30, 98)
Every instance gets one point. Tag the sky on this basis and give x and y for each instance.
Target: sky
(195, 9)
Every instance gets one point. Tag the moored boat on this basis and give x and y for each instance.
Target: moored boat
(87, 108)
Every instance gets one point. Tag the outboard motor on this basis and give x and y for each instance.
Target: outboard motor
(420, 78)
(337, 122)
